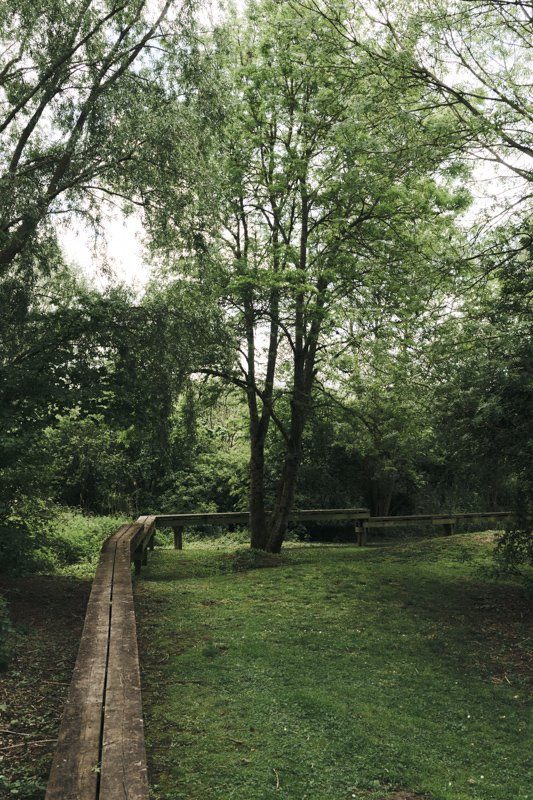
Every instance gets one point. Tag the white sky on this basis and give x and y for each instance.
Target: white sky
(115, 256)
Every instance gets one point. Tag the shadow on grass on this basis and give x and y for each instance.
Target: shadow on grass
(204, 564)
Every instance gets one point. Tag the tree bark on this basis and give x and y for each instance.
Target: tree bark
(284, 502)
(258, 523)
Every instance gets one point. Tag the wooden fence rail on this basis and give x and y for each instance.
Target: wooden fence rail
(100, 753)
(178, 521)
(360, 517)
(448, 521)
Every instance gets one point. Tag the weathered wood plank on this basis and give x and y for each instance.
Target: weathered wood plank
(436, 519)
(74, 774)
(123, 774)
(242, 518)
(105, 688)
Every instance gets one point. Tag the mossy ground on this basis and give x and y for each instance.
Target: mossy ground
(48, 613)
(332, 673)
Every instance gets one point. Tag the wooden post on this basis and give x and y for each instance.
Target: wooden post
(448, 528)
(138, 561)
(178, 538)
(360, 532)
(145, 556)
(151, 543)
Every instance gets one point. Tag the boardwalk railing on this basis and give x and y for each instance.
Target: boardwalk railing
(100, 753)
(359, 516)
(179, 521)
(448, 521)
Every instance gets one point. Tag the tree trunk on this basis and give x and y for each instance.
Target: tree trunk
(291, 465)
(284, 502)
(382, 492)
(258, 526)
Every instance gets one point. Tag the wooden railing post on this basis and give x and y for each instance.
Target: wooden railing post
(448, 528)
(138, 560)
(178, 538)
(360, 532)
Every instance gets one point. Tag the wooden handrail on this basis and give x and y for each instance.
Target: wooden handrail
(243, 517)
(436, 519)
(359, 516)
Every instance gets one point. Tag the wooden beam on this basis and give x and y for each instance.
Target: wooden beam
(100, 750)
(243, 517)
(74, 774)
(123, 767)
(436, 519)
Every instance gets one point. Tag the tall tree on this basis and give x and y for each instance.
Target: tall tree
(328, 196)
(74, 76)
(473, 58)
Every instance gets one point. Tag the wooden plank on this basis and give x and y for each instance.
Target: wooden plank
(243, 518)
(74, 773)
(100, 752)
(123, 774)
(435, 519)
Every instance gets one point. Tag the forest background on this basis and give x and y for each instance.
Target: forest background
(333, 316)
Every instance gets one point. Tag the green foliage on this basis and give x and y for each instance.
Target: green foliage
(303, 171)
(42, 537)
(514, 553)
(91, 467)
(77, 89)
(74, 540)
(6, 635)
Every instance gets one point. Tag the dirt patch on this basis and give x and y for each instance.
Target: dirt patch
(48, 614)
(407, 796)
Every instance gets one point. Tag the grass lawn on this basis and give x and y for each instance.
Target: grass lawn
(332, 672)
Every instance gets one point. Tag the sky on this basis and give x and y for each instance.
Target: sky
(115, 256)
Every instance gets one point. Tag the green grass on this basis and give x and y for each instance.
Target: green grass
(334, 673)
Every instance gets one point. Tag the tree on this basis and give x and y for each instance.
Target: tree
(74, 78)
(472, 58)
(327, 197)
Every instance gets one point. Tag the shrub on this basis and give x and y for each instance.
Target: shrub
(76, 538)
(514, 550)
(37, 536)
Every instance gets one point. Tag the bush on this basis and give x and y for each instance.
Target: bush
(76, 538)
(23, 530)
(6, 635)
(41, 537)
(514, 551)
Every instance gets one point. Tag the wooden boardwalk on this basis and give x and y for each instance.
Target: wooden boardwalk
(100, 753)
